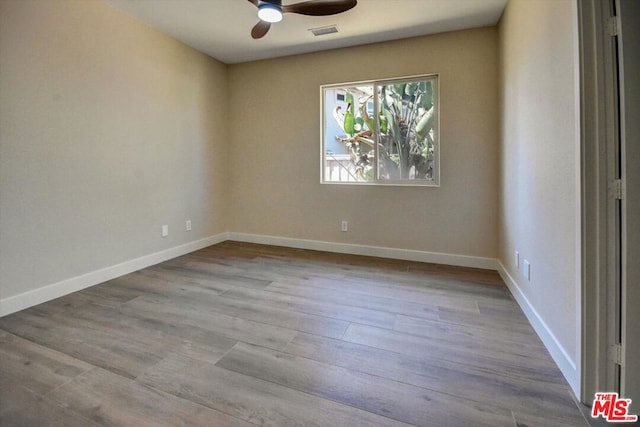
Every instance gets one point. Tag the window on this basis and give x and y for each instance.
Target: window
(381, 132)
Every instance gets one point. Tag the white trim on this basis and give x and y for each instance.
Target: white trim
(376, 251)
(558, 353)
(577, 91)
(375, 84)
(49, 292)
(55, 290)
(64, 287)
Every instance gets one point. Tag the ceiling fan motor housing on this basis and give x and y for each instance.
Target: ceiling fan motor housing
(270, 11)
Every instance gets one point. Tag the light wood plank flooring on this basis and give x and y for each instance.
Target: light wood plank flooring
(240, 334)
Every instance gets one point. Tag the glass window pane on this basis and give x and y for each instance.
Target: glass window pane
(383, 132)
(408, 145)
(348, 137)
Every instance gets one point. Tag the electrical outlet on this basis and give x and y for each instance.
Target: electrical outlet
(187, 225)
(526, 270)
(165, 230)
(344, 226)
(517, 260)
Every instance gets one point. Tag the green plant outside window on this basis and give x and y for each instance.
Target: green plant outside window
(381, 132)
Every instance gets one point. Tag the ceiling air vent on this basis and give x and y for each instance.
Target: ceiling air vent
(321, 31)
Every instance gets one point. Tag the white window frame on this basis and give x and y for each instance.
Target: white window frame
(435, 182)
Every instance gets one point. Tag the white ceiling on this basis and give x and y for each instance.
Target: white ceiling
(221, 28)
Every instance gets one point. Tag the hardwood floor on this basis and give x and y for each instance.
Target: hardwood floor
(239, 334)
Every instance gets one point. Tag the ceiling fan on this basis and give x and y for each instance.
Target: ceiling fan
(270, 11)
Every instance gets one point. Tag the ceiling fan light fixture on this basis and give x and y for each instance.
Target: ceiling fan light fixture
(270, 12)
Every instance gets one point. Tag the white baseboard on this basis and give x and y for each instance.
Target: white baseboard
(49, 292)
(376, 251)
(46, 293)
(566, 365)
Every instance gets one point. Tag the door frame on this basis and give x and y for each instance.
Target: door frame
(597, 128)
(610, 226)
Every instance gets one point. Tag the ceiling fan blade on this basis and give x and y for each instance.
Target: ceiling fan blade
(320, 8)
(260, 29)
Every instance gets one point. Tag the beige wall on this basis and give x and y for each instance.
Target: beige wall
(275, 153)
(108, 130)
(539, 157)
